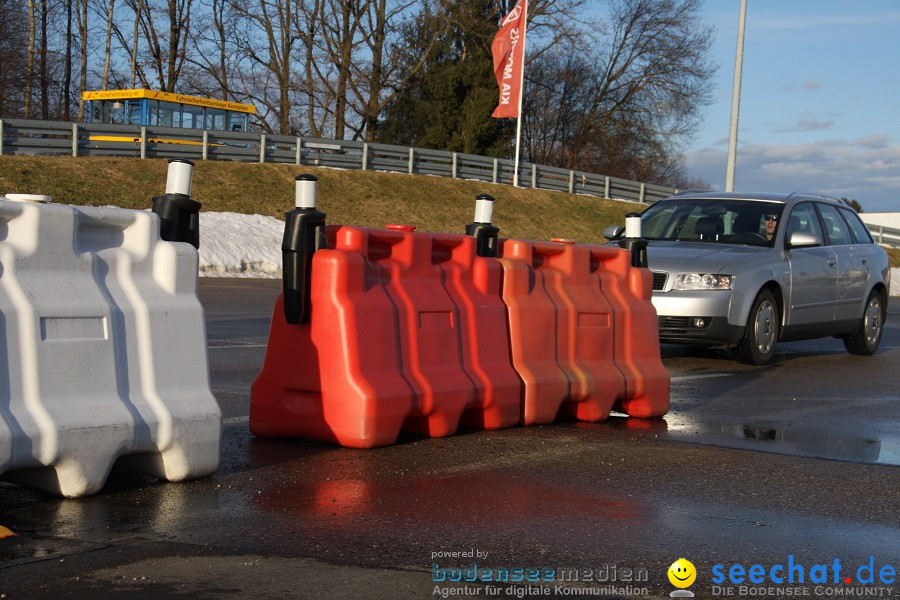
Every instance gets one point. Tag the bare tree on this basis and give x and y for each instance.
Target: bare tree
(216, 57)
(67, 85)
(164, 26)
(136, 72)
(271, 79)
(309, 31)
(623, 106)
(107, 54)
(29, 66)
(81, 12)
(390, 65)
(339, 21)
(13, 57)
(43, 61)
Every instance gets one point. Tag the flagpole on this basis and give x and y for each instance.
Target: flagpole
(521, 95)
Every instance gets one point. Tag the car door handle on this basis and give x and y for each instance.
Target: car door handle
(831, 262)
(863, 260)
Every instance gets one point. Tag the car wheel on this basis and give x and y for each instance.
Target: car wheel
(865, 341)
(761, 334)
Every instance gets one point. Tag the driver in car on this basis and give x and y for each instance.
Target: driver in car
(771, 225)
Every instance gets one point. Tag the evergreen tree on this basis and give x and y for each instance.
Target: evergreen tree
(448, 105)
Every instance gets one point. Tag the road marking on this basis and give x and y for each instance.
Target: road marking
(236, 420)
(704, 376)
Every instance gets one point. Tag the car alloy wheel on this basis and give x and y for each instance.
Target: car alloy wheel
(764, 326)
(866, 340)
(761, 335)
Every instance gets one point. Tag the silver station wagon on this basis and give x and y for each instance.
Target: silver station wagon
(745, 271)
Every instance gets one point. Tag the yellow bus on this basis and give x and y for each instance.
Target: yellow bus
(163, 109)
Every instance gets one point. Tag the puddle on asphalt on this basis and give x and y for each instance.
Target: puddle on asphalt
(884, 449)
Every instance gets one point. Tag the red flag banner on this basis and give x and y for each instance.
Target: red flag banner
(508, 50)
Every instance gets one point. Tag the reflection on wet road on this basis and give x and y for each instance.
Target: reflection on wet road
(732, 474)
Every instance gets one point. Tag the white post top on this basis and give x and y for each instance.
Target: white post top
(484, 208)
(632, 226)
(178, 180)
(305, 189)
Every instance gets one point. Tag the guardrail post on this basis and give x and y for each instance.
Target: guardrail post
(74, 139)
(299, 151)
(1, 137)
(143, 142)
(365, 157)
(412, 161)
(881, 234)
(205, 144)
(571, 182)
(262, 147)
(534, 177)
(496, 169)
(606, 187)
(453, 167)
(643, 192)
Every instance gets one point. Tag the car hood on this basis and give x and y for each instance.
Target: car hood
(698, 257)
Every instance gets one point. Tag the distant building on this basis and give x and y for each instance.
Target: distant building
(885, 219)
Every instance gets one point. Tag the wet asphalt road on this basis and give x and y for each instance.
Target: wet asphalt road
(752, 464)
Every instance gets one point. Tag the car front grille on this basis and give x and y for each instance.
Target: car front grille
(659, 281)
(675, 322)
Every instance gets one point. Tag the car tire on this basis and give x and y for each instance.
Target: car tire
(763, 326)
(867, 338)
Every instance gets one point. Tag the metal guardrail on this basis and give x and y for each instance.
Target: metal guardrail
(57, 138)
(886, 236)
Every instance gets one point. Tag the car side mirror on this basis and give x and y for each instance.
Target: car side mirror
(613, 231)
(800, 239)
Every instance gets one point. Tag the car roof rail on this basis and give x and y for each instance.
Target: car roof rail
(811, 195)
(694, 191)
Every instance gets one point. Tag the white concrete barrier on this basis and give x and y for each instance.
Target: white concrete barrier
(102, 349)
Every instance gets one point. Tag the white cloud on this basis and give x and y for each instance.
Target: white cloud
(808, 21)
(805, 125)
(867, 169)
(874, 141)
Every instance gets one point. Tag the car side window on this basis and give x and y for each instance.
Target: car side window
(805, 220)
(857, 228)
(835, 227)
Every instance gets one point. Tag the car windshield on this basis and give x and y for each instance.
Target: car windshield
(725, 221)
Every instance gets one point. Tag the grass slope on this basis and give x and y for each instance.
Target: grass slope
(369, 199)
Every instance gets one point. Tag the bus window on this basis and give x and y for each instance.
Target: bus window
(215, 119)
(167, 115)
(114, 112)
(192, 116)
(134, 112)
(237, 121)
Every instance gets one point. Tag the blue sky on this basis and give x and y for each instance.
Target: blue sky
(820, 99)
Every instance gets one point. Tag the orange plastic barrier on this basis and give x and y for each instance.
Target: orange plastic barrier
(628, 291)
(561, 331)
(583, 332)
(406, 332)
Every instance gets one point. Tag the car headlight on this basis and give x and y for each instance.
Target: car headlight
(703, 281)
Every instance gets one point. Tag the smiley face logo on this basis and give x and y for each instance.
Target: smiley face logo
(682, 573)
